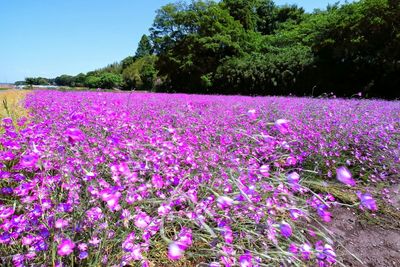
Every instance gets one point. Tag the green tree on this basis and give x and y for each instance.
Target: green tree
(92, 81)
(144, 47)
(65, 80)
(141, 74)
(192, 40)
(110, 80)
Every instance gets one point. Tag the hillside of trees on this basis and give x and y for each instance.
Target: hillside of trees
(254, 47)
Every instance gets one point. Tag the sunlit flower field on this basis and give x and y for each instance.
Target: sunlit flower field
(118, 179)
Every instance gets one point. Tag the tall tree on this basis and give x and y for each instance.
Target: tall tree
(192, 40)
(144, 47)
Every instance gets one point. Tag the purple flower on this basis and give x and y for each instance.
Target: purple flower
(246, 260)
(28, 161)
(66, 247)
(286, 229)
(94, 214)
(142, 220)
(282, 126)
(344, 176)
(306, 251)
(111, 197)
(323, 212)
(293, 248)
(293, 178)
(74, 135)
(224, 202)
(295, 214)
(252, 114)
(367, 201)
(6, 212)
(83, 255)
(264, 170)
(175, 251)
(164, 209)
(61, 223)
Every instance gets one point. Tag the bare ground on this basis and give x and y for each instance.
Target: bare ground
(373, 239)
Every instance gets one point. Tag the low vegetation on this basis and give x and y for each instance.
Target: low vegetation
(120, 179)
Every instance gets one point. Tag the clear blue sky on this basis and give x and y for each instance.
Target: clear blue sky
(53, 37)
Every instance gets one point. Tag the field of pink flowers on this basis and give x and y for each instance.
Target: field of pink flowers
(115, 179)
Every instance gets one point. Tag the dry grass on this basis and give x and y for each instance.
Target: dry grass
(11, 104)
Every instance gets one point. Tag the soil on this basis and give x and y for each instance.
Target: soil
(374, 243)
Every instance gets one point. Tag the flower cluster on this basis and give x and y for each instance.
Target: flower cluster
(126, 179)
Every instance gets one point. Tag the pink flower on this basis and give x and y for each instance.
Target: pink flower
(245, 260)
(282, 126)
(286, 229)
(164, 209)
(175, 252)
(344, 176)
(74, 135)
(367, 201)
(252, 114)
(293, 178)
(6, 212)
(111, 197)
(28, 161)
(66, 247)
(61, 223)
(295, 214)
(323, 213)
(142, 220)
(224, 202)
(264, 170)
(293, 248)
(82, 246)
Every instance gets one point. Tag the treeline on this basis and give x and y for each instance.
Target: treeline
(255, 47)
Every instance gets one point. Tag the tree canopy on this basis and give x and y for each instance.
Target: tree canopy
(255, 47)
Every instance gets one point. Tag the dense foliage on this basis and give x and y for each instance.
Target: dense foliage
(118, 179)
(255, 47)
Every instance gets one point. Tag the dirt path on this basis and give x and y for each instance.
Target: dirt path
(375, 240)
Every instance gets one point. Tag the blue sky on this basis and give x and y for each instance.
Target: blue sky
(53, 37)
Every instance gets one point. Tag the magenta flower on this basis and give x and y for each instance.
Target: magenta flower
(66, 247)
(111, 197)
(293, 178)
(74, 135)
(264, 170)
(344, 176)
(142, 220)
(367, 201)
(252, 114)
(224, 202)
(323, 212)
(28, 161)
(293, 248)
(282, 126)
(246, 260)
(185, 239)
(164, 209)
(61, 223)
(175, 251)
(286, 229)
(295, 214)
(6, 212)
(306, 251)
